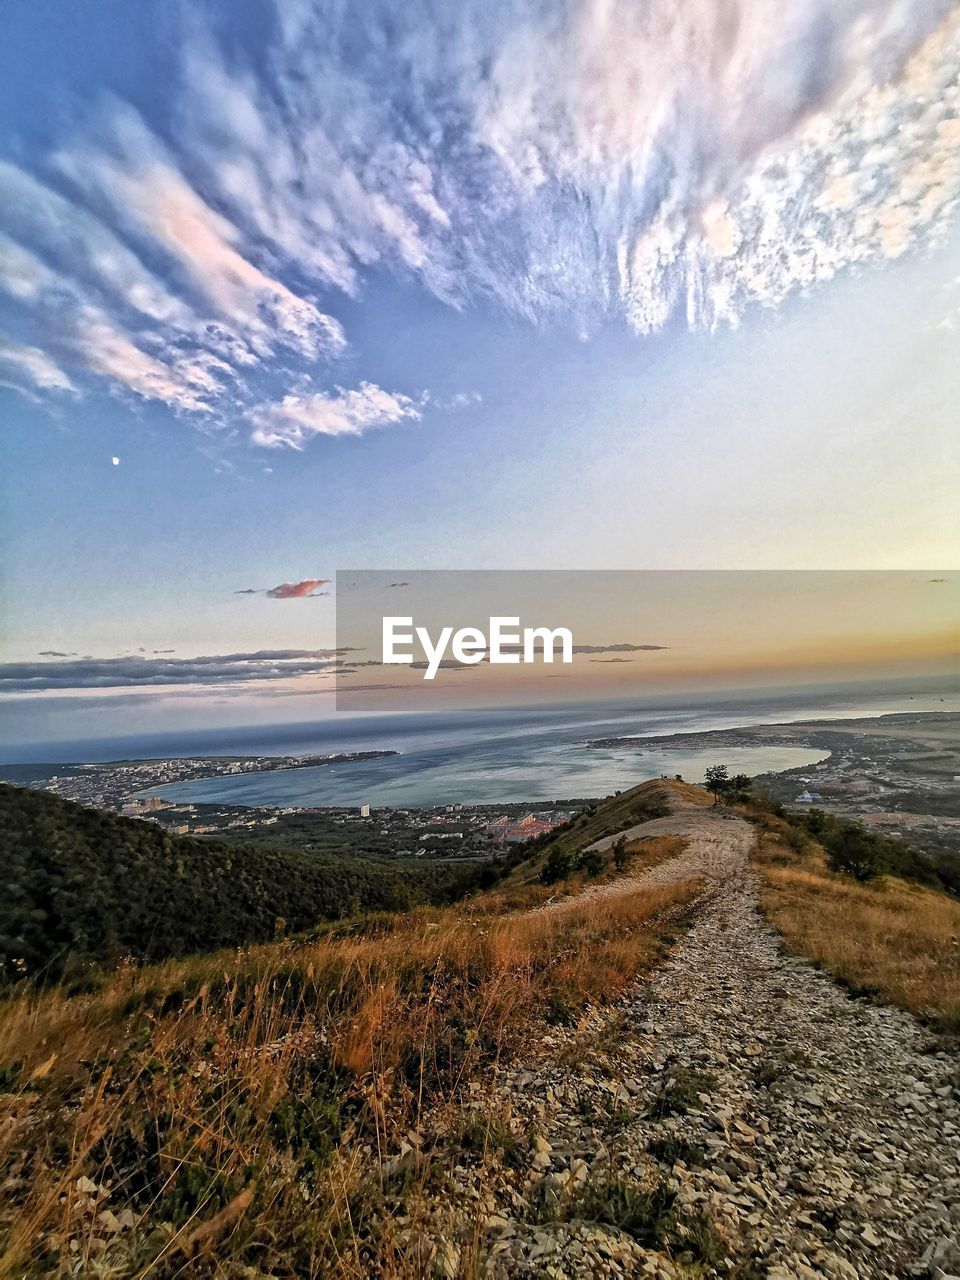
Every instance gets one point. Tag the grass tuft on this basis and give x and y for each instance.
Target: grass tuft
(681, 1093)
(888, 937)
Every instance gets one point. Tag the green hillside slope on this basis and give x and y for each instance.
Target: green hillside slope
(78, 885)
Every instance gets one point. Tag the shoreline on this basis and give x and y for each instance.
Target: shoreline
(789, 732)
(895, 773)
(896, 770)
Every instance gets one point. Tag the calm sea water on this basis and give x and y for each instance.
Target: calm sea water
(532, 754)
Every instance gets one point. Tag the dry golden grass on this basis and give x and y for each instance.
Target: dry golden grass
(242, 1106)
(689, 791)
(642, 854)
(650, 851)
(892, 938)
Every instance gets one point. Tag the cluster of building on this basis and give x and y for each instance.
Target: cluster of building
(871, 786)
(139, 808)
(110, 785)
(436, 831)
(856, 783)
(507, 830)
(472, 829)
(432, 827)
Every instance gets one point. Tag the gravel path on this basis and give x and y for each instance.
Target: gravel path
(820, 1133)
(717, 843)
(832, 1138)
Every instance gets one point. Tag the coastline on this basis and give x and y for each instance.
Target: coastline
(895, 772)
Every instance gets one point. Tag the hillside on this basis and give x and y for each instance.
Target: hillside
(83, 886)
(610, 817)
(80, 885)
(619, 1081)
(253, 1113)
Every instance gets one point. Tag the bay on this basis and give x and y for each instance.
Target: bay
(490, 757)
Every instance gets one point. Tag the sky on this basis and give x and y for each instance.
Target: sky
(634, 632)
(289, 289)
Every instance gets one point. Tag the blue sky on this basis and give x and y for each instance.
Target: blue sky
(523, 284)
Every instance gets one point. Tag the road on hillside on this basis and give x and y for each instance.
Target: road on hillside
(717, 843)
(828, 1127)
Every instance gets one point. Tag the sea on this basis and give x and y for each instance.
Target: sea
(531, 754)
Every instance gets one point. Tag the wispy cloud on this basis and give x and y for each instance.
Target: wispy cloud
(182, 331)
(29, 368)
(111, 673)
(343, 412)
(622, 647)
(128, 170)
(600, 159)
(88, 340)
(445, 664)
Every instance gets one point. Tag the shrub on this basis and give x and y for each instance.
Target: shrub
(858, 854)
(557, 866)
(620, 855)
(591, 862)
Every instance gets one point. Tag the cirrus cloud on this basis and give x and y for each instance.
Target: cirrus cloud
(21, 364)
(296, 418)
(583, 162)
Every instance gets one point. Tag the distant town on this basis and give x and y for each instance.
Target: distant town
(452, 831)
(897, 774)
(111, 784)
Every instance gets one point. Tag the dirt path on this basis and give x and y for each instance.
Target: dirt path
(820, 1132)
(716, 843)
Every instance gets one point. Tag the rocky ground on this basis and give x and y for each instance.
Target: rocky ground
(739, 1116)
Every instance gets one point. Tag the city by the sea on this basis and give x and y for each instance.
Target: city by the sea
(500, 755)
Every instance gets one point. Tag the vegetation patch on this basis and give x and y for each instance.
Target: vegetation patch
(83, 888)
(259, 1097)
(877, 933)
(561, 848)
(649, 1215)
(645, 1214)
(489, 1133)
(681, 1093)
(623, 855)
(854, 851)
